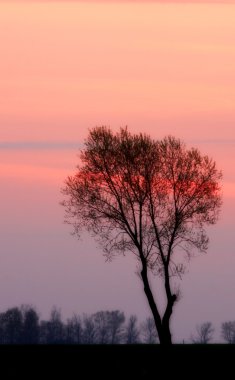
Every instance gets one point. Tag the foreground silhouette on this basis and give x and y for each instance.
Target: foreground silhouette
(145, 197)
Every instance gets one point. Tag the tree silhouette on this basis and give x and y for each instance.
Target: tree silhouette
(74, 330)
(116, 320)
(148, 331)
(52, 331)
(30, 328)
(228, 331)
(204, 333)
(131, 334)
(89, 330)
(101, 322)
(151, 198)
(11, 322)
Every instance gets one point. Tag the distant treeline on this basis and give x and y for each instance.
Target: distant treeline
(22, 325)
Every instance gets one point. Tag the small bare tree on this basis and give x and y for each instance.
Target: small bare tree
(101, 322)
(228, 331)
(116, 321)
(151, 198)
(148, 331)
(89, 330)
(74, 330)
(204, 333)
(132, 333)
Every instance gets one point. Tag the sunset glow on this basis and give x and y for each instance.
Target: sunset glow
(159, 68)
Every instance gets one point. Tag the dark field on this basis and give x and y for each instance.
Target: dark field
(122, 361)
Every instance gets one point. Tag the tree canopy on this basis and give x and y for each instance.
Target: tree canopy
(153, 198)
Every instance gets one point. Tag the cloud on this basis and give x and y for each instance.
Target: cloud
(39, 145)
(76, 145)
(213, 141)
(123, 1)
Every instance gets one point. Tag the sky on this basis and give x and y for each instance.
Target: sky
(159, 67)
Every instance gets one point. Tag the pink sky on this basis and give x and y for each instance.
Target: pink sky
(68, 66)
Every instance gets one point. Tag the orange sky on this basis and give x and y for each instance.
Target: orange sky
(164, 68)
(68, 66)
(159, 68)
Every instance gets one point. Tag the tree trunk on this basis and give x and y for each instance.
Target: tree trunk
(166, 334)
(171, 298)
(162, 326)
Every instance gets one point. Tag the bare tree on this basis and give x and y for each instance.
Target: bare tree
(30, 329)
(151, 198)
(55, 328)
(132, 333)
(149, 332)
(101, 321)
(204, 333)
(74, 330)
(11, 326)
(228, 331)
(116, 320)
(108, 326)
(89, 330)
